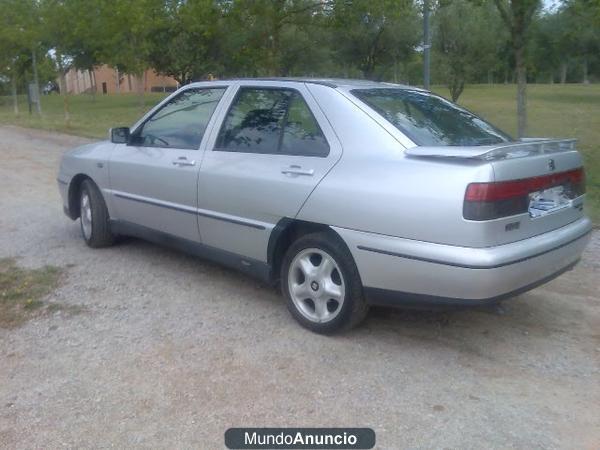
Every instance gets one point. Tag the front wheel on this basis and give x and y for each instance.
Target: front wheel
(94, 218)
(321, 283)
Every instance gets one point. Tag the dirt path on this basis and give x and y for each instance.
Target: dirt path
(170, 351)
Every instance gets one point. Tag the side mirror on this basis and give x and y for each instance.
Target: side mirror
(119, 135)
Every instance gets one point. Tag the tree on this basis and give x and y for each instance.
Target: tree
(188, 43)
(8, 68)
(550, 45)
(517, 16)
(78, 34)
(466, 41)
(21, 32)
(372, 34)
(125, 41)
(264, 31)
(584, 32)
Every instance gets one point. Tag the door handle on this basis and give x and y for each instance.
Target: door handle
(297, 170)
(183, 161)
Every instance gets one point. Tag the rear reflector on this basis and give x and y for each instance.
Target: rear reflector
(486, 201)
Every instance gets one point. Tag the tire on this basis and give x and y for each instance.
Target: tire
(93, 217)
(321, 284)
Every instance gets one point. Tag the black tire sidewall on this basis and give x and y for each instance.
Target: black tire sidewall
(101, 235)
(85, 190)
(353, 304)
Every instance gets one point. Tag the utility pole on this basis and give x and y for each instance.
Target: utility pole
(426, 44)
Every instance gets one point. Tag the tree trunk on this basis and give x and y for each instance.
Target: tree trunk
(36, 81)
(63, 87)
(65, 94)
(585, 71)
(521, 70)
(140, 89)
(13, 85)
(457, 86)
(118, 83)
(92, 84)
(426, 45)
(563, 72)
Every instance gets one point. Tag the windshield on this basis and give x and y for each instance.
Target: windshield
(430, 120)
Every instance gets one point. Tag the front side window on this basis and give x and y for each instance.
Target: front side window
(181, 122)
(430, 120)
(274, 121)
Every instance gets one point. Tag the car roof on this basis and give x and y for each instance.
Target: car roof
(347, 83)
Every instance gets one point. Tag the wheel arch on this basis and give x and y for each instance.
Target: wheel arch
(74, 192)
(285, 232)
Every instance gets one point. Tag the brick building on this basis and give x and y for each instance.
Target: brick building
(110, 81)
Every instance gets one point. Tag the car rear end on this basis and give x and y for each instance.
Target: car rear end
(463, 222)
(532, 210)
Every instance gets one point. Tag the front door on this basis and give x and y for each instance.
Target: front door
(272, 149)
(154, 178)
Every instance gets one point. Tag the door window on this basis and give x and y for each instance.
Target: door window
(275, 121)
(181, 122)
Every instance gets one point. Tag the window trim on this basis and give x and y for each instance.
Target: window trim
(140, 127)
(215, 148)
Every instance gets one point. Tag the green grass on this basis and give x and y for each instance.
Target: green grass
(569, 111)
(22, 292)
(554, 111)
(89, 117)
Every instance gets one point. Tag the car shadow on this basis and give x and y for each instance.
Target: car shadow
(540, 313)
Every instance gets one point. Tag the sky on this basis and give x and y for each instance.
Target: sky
(550, 4)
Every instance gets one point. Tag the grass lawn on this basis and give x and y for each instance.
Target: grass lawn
(561, 111)
(554, 111)
(22, 293)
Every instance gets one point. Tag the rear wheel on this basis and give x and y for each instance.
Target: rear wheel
(93, 215)
(321, 284)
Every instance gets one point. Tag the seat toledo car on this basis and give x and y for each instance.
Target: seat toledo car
(346, 193)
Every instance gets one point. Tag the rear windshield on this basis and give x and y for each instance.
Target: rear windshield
(430, 120)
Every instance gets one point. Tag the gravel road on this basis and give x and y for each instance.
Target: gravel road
(170, 350)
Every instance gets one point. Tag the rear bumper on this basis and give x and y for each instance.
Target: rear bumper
(396, 271)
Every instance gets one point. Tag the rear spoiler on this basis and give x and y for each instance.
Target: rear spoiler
(526, 147)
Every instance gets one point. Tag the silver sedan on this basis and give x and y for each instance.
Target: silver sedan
(346, 193)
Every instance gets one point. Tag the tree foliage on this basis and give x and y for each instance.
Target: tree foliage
(473, 40)
(466, 43)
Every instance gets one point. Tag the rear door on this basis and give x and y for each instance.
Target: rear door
(273, 147)
(153, 179)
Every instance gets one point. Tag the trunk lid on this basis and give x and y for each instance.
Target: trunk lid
(533, 182)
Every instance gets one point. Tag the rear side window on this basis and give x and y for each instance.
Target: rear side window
(274, 121)
(430, 120)
(181, 122)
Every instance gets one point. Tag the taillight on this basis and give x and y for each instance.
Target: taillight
(486, 201)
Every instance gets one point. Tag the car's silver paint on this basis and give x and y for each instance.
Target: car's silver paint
(509, 150)
(453, 279)
(89, 159)
(161, 175)
(149, 172)
(369, 190)
(255, 186)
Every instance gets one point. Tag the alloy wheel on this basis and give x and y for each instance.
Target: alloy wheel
(86, 215)
(316, 285)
